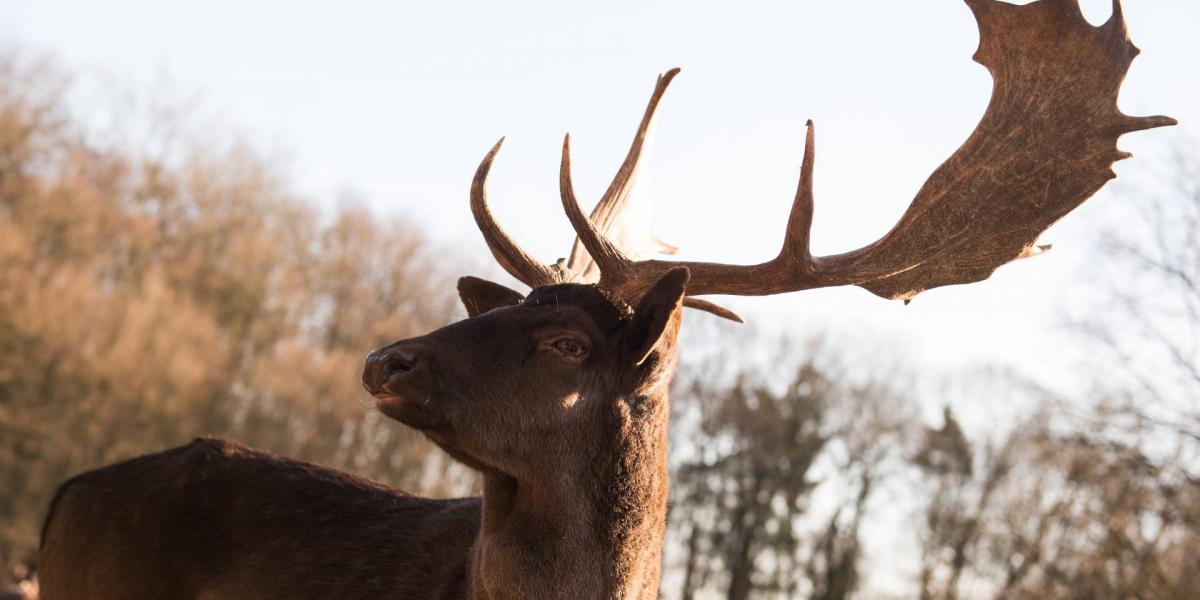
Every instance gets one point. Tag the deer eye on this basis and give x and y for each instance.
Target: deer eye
(570, 347)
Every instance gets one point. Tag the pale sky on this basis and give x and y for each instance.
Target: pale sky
(398, 102)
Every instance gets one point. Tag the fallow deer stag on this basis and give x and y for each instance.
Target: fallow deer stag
(559, 397)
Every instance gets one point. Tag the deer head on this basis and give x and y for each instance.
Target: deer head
(524, 374)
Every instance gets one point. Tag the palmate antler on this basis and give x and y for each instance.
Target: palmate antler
(1046, 143)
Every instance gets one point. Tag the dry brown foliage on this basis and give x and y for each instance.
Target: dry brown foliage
(146, 300)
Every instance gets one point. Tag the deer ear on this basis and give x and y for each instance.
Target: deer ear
(654, 311)
(481, 295)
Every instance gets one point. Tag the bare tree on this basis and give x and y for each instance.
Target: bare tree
(741, 505)
(1147, 326)
(1053, 510)
(963, 484)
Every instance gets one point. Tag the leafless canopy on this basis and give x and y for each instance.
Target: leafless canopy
(1046, 143)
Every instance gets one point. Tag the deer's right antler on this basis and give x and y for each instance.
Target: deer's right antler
(1046, 144)
(507, 252)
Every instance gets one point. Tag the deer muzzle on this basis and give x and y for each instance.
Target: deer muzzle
(387, 367)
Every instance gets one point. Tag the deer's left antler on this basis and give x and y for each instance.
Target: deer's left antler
(1046, 143)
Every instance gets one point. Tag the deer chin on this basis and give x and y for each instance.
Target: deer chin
(443, 441)
(418, 415)
(414, 412)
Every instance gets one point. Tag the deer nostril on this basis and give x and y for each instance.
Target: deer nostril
(382, 365)
(395, 363)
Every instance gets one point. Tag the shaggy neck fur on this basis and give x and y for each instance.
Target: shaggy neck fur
(593, 527)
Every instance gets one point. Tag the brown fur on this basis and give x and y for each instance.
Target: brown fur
(214, 519)
(572, 452)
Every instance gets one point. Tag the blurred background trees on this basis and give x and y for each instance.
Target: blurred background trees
(759, 445)
(156, 291)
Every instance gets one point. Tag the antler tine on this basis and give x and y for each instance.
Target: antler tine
(612, 262)
(1118, 16)
(612, 206)
(515, 260)
(1131, 124)
(714, 309)
(621, 183)
(795, 250)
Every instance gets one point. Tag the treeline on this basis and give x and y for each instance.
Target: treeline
(146, 299)
(154, 292)
(817, 486)
(812, 475)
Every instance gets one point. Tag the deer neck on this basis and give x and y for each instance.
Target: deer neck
(591, 528)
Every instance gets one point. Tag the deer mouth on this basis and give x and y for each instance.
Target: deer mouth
(416, 411)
